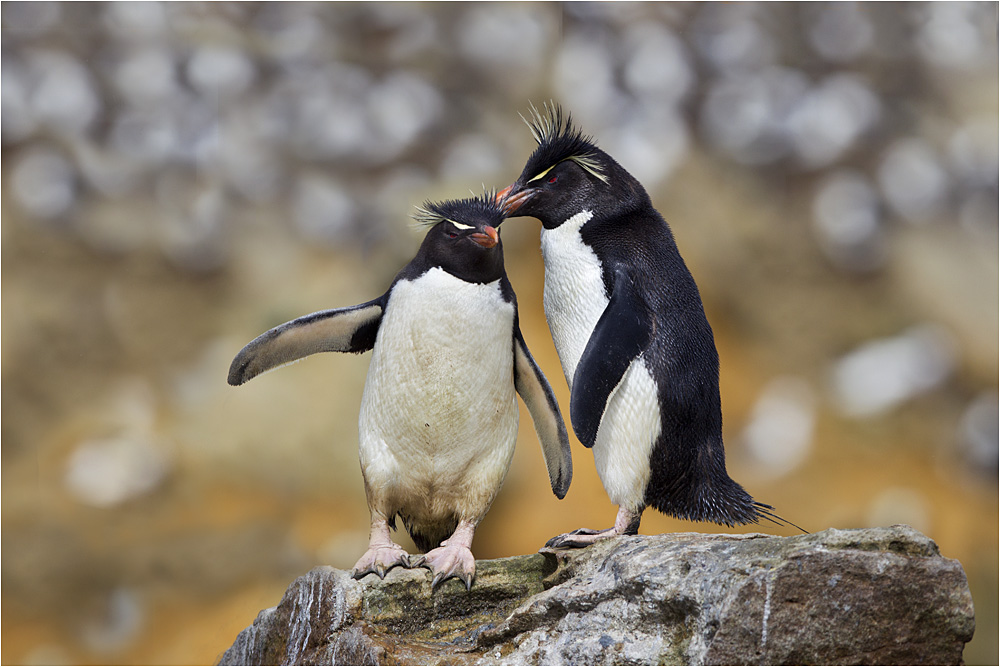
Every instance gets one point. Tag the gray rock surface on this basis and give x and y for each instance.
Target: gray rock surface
(871, 596)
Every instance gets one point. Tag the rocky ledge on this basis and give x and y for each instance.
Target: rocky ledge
(871, 596)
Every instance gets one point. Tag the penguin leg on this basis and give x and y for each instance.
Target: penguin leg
(383, 554)
(626, 523)
(454, 557)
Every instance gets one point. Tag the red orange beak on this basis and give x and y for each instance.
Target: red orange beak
(488, 239)
(512, 203)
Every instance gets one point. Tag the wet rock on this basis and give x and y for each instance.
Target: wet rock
(875, 596)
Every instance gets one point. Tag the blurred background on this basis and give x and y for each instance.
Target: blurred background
(178, 178)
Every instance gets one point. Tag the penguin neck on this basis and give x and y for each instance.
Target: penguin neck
(470, 266)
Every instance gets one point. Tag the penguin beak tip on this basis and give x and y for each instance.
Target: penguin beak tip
(488, 238)
(510, 203)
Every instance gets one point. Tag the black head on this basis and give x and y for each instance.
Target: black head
(463, 238)
(568, 173)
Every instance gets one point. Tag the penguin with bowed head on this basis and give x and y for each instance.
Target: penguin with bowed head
(439, 417)
(631, 333)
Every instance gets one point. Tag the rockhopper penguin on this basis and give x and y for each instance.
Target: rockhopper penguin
(631, 334)
(438, 417)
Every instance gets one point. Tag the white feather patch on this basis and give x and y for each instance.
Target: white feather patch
(630, 426)
(574, 295)
(575, 299)
(439, 415)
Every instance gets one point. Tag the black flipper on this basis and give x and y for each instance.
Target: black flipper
(350, 329)
(537, 395)
(621, 334)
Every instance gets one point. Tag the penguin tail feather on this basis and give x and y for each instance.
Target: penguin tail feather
(767, 513)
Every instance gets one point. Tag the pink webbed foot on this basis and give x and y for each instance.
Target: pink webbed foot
(626, 523)
(450, 560)
(582, 537)
(380, 559)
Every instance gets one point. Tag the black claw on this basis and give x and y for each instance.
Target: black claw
(468, 581)
(416, 561)
(567, 542)
(380, 570)
(438, 578)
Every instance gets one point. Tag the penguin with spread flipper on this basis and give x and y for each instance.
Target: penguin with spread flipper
(439, 415)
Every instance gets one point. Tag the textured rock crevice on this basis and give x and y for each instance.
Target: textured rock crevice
(882, 596)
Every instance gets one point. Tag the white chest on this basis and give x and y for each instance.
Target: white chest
(439, 402)
(574, 296)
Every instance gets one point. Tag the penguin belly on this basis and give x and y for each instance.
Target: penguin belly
(575, 298)
(438, 419)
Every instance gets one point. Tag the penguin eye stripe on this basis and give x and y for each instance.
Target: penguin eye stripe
(460, 225)
(542, 174)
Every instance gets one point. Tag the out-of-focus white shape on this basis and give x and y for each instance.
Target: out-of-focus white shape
(44, 183)
(191, 225)
(291, 31)
(62, 95)
(47, 654)
(650, 146)
(107, 471)
(745, 115)
(118, 626)
(471, 156)
(135, 21)
(400, 108)
(913, 180)
(251, 167)
(327, 110)
(19, 120)
(973, 153)
(657, 63)
(323, 209)
(831, 117)
(149, 136)
(780, 431)
(107, 171)
(883, 374)
(950, 36)
(980, 433)
(196, 130)
(728, 37)
(220, 71)
(840, 31)
(504, 35)
(146, 76)
(583, 77)
(29, 18)
(847, 221)
(897, 505)
(104, 472)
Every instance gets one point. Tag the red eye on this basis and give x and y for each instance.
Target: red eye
(553, 179)
(452, 235)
